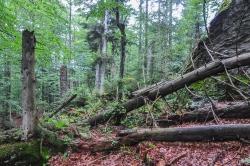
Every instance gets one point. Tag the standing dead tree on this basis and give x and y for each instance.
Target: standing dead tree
(28, 83)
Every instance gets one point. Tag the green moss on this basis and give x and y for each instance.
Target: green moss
(225, 5)
(27, 152)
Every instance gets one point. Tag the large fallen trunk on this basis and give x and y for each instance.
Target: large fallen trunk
(229, 132)
(236, 111)
(201, 73)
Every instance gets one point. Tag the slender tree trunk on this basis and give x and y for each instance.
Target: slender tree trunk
(121, 25)
(28, 83)
(70, 25)
(112, 70)
(197, 30)
(63, 80)
(7, 80)
(149, 62)
(170, 24)
(146, 42)
(140, 57)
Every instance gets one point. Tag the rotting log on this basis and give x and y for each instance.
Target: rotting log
(201, 73)
(236, 111)
(50, 137)
(228, 132)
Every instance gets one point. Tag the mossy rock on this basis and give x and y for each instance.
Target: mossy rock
(21, 153)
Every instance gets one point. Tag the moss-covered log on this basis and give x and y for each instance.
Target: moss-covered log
(236, 111)
(50, 137)
(20, 153)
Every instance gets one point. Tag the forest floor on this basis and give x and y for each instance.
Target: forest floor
(159, 153)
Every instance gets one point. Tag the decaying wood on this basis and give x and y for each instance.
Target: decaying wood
(201, 73)
(28, 83)
(64, 104)
(235, 111)
(228, 132)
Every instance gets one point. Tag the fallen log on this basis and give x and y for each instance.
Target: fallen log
(228, 132)
(201, 73)
(236, 111)
(21, 153)
(64, 104)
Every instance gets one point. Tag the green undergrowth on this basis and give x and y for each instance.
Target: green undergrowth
(25, 153)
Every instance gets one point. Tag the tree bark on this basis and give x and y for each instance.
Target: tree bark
(28, 83)
(170, 24)
(7, 80)
(63, 80)
(146, 42)
(101, 64)
(228, 132)
(121, 25)
(237, 111)
(201, 73)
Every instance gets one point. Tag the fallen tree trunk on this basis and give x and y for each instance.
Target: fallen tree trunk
(64, 104)
(237, 111)
(229, 132)
(201, 73)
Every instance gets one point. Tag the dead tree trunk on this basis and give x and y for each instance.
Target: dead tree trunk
(237, 111)
(63, 80)
(121, 25)
(229, 132)
(28, 83)
(201, 73)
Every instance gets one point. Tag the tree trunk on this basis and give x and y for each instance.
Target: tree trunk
(7, 80)
(101, 64)
(229, 132)
(146, 42)
(63, 80)
(149, 70)
(236, 111)
(28, 83)
(169, 87)
(170, 24)
(121, 25)
(140, 57)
